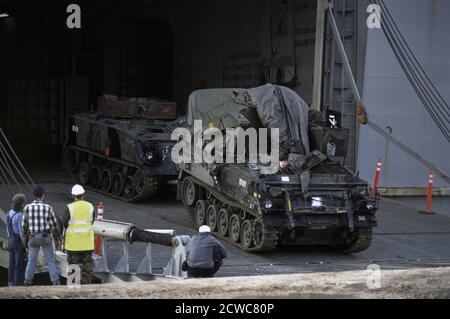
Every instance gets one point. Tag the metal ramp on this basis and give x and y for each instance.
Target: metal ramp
(120, 273)
(144, 272)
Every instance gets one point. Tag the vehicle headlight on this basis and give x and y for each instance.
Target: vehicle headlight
(149, 156)
(268, 204)
(316, 202)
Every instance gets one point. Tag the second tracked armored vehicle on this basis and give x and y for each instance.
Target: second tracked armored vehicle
(123, 149)
(310, 198)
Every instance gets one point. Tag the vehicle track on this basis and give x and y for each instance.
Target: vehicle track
(148, 189)
(269, 238)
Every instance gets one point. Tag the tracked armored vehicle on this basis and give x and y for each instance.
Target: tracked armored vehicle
(123, 149)
(310, 198)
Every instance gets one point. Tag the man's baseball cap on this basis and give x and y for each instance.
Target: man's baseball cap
(204, 229)
(38, 190)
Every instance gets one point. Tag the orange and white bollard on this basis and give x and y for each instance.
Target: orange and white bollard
(429, 194)
(98, 238)
(376, 179)
(100, 210)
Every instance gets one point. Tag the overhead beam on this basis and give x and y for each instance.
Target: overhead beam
(322, 6)
(344, 57)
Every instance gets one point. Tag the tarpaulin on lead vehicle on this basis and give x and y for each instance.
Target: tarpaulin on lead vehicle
(275, 106)
(282, 108)
(208, 105)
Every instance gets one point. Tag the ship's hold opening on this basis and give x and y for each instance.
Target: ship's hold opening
(137, 48)
(49, 71)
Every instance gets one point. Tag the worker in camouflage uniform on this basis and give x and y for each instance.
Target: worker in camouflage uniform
(79, 233)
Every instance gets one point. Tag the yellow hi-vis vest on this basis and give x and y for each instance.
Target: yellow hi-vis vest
(80, 233)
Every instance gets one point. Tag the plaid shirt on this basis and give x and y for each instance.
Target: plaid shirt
(39, 217)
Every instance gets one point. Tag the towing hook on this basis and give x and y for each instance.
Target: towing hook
(361, 114)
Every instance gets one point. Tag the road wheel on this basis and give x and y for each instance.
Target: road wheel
(200, 213)
(91, 159)
(106, 180)
(72, 160)
(247, 234)
(235, 228)
(190, 193)
(83, 174)
(258, 233)
(128, 188)
(139, 181)
(357, 241)
(223, 222)
(211, 216)
(94, 179)
(124, 170)
(118, 184)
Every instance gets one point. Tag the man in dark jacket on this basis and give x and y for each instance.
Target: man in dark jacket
(204, 254)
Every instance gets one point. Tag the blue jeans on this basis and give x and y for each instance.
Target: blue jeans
(36, 242)
(16, 270)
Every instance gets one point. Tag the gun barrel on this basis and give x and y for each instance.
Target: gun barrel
(113, 229)
(129, 232)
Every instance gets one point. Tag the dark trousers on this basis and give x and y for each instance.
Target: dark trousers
(202, 272)
(17, 262)
(84, 260)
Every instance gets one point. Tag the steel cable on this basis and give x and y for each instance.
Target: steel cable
(426, 92)
(413, 76)
(6, 154)
(434, 90)
(418, 88)
(419, 72)
(6, 181)
(2, 181)
(421, 93)
(408, 60)
(31, 182)
(7, 168)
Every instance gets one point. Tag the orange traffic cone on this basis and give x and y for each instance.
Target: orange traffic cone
(376, 179)
(98, 238)
(428, 210)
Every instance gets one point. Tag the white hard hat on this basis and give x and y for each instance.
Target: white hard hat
(77, 190)
(204, 229)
